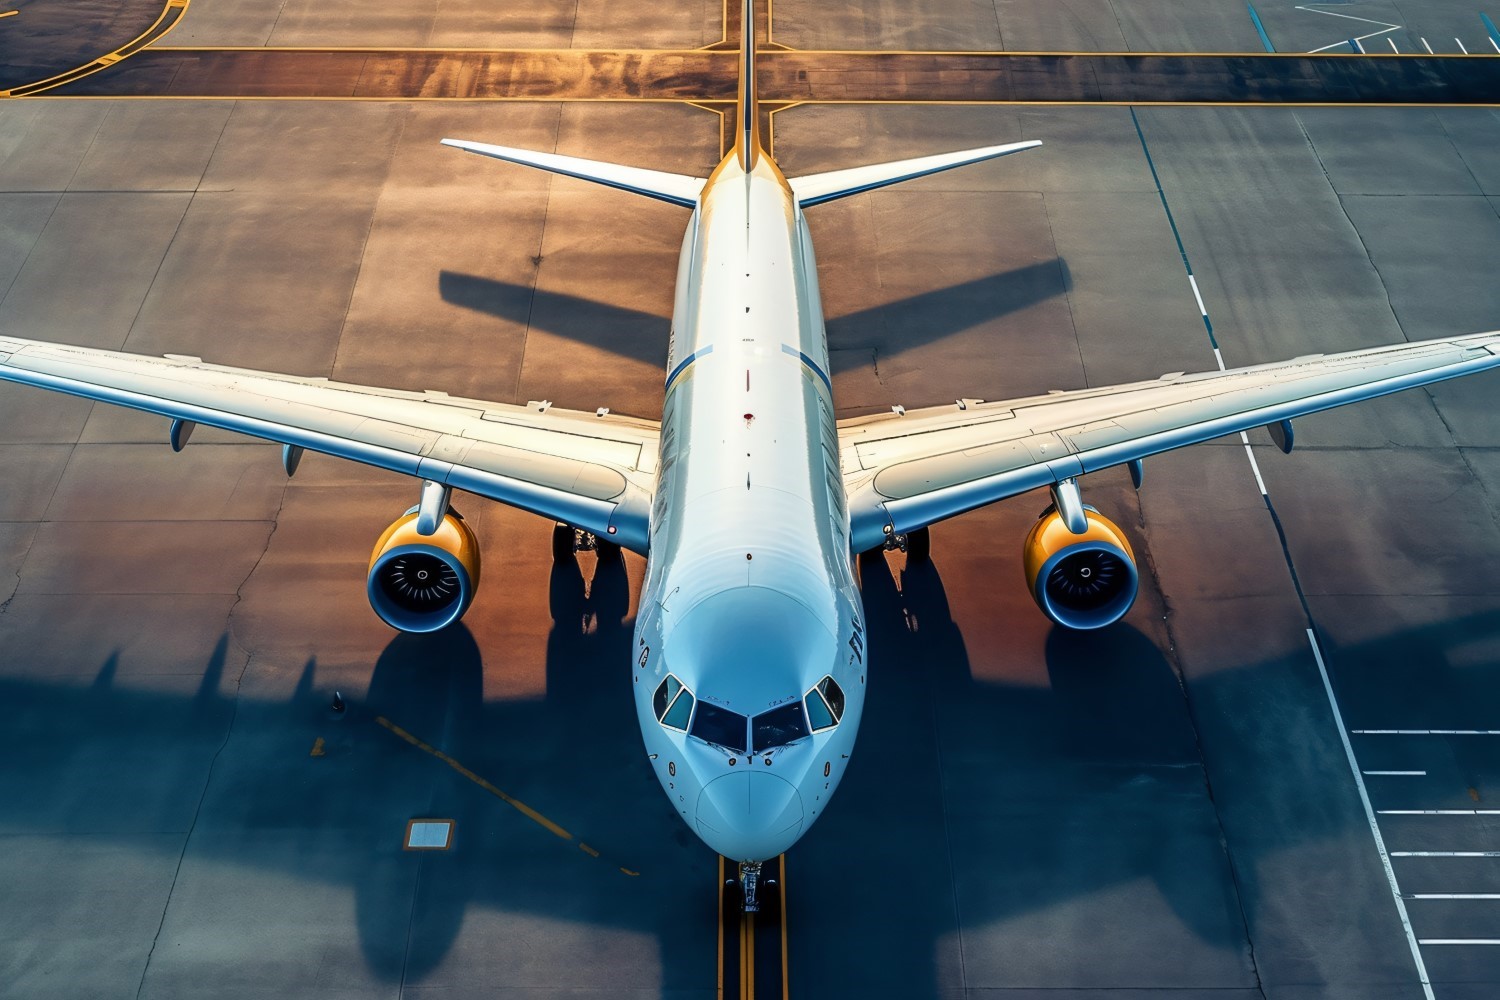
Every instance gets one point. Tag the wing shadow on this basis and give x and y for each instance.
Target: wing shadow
(890, 328)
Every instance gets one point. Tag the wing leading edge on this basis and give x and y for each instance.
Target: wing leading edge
(906, 472)
(593, 471)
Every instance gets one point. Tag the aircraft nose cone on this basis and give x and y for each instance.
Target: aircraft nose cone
(749, 815)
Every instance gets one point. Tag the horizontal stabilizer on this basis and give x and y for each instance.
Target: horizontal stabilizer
(814, 189)
(677, 189)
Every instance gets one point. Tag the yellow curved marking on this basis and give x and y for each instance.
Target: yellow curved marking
(174, 9)
(9, 13)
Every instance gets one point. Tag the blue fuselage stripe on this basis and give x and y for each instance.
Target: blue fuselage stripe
(682, 365)
(809, 362)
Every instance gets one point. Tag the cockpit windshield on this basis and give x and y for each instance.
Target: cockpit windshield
(719, 726)
(778, 727)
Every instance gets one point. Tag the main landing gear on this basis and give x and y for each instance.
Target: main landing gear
(567, 541)
(916, 544)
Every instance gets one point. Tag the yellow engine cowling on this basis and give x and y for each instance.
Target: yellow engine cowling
(421, 583)
(1080, 581)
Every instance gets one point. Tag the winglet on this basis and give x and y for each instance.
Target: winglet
(814, 189)
(747, 144)
(676, 189)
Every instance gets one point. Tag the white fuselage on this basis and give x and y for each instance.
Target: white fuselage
(750, 599)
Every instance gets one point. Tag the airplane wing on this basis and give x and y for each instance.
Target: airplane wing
(594, 471)
(903, 472)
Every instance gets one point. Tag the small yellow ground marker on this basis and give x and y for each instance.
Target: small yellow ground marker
(9, 13)
(317, 748)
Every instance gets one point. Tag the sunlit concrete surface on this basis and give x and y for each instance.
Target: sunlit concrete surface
(1164, 806)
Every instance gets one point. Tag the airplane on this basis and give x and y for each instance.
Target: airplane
(750, 643)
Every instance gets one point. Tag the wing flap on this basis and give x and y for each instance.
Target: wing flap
(906, 472)
(581, 468)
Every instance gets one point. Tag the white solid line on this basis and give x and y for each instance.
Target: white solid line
(1460, 941)
(1445, 854)
(1350, 17)
(1427, 47)
(1460, 42)
(1439, 812)
(1416, 774)
(1199, 298)
(1427, 732)
(1454, 895)
(1364, 798)
(1356, 41)
(1495, 45)
(1218, 359)
(1393, 46)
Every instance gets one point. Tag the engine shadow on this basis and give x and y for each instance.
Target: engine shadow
(1000, 801)
(582, 837)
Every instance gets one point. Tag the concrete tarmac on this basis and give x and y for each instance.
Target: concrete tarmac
(798, 77)
(1164, 808)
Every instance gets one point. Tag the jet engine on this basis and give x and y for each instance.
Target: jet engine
(421, 583)
(1080, 581)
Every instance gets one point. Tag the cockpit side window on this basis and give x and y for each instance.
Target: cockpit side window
(834, 694)
(720, 726)
(825, 704)
(672, 703)
(778, 727)
(665, 694)
(677, 716)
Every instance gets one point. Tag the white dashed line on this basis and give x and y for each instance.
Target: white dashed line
(1364, 798)
(1454, 895)
(1438, 812)
(1445, 854)
(1426, 732)
(1197, 296)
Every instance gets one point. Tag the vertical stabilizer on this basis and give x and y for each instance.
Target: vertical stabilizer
(746, 114)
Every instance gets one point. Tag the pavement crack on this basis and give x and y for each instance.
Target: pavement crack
(239, 591)
(213, 763)
(1171, 653)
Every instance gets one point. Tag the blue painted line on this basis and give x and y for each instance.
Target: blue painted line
(1355, 47)
(1207, 324)
(1490, 27)
(809, 362)
(1260, 29)
(682, 365)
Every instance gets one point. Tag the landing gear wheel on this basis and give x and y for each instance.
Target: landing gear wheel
(563, 542)
(918, 546)
(749, 882)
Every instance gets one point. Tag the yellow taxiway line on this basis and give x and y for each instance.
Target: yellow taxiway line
(175, 9)
(516, 804)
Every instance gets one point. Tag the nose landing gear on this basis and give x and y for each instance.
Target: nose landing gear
(749, 883)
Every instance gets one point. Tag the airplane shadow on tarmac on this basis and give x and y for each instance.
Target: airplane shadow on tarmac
(968, 803)
(575, 757)
(998, 802)
(891, 328)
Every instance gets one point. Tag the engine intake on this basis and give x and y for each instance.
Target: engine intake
(1081, 581)
(421, 583)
